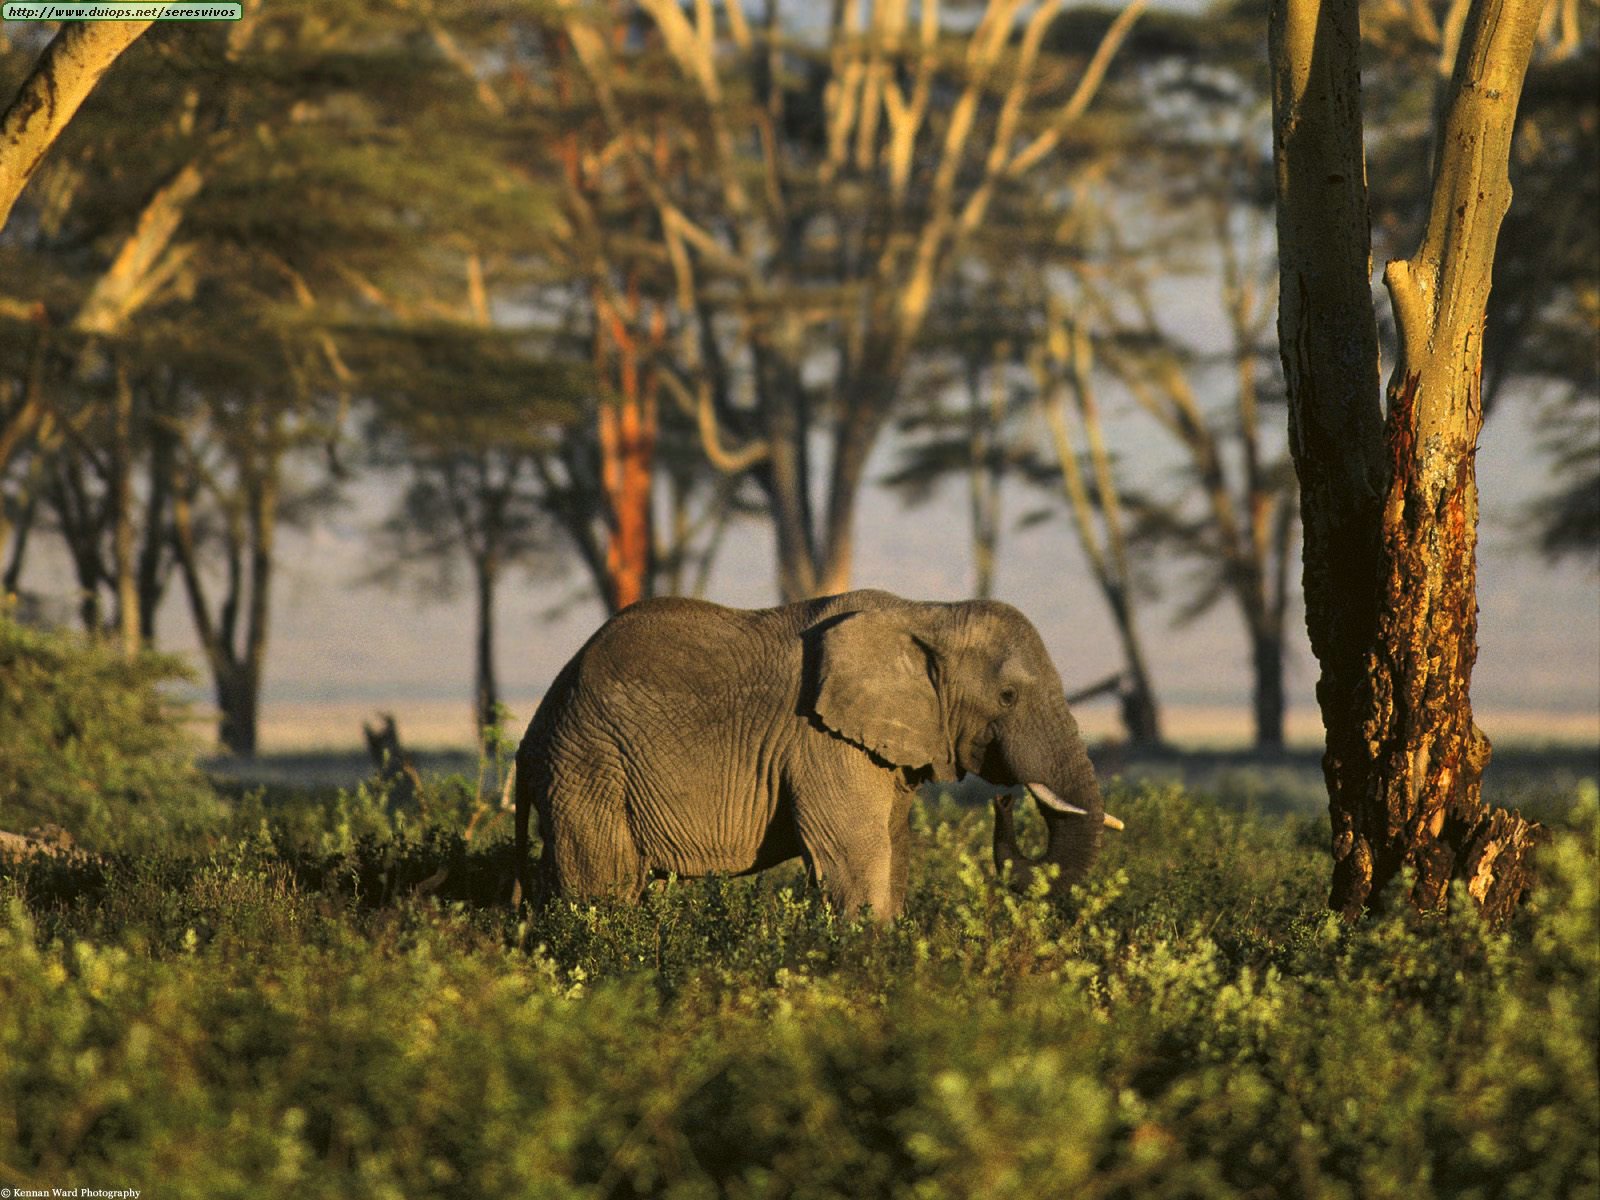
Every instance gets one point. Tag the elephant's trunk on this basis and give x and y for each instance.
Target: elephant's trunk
(1073, 837)
(1073, 843)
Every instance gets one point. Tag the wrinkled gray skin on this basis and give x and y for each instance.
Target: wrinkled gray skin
(694, 739)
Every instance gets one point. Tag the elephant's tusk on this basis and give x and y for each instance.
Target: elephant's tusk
(1113, 823)
(1050, 800)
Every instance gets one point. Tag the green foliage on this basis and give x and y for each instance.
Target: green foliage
(89, 742)
(288, 1014)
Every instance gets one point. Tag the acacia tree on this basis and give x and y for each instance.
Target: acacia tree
(1008, 332)
(84, 410)
(810, 209)
(269, 202)
(626, 326)
(231, 464)
(1389, 495)
(472, 470)
(1541, 329)
(1063, 365)
(973, 354)
(603, 243)
(1235, 517)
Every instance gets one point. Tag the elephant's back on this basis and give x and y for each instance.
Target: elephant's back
(678, 661)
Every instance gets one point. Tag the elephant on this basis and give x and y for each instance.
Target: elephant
(690, 739)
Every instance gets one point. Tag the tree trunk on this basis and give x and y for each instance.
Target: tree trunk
(868, 399)
(984, 423)
(627, 440)
(263, 497)
(1390, 510)
(129, 623)
(18, 535)
(238, 698)
(627, 428)
(152, 555)
(1266, 660)
(1101, 537)
(487, 690)
(836, 560)
(787, 481)
(250, 540)
(1141, 716)
(83, 529)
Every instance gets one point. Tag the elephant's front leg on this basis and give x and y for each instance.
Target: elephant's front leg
(900, 844)
(846, 814)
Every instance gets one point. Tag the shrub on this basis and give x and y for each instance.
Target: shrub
(89, 742)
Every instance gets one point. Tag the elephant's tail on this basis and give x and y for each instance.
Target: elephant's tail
(522, 882)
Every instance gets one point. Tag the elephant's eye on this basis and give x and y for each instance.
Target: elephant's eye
(1008, 697)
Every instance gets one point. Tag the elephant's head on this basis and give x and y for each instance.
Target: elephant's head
(964, 688)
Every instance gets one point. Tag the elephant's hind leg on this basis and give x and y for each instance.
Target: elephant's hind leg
(592, 851)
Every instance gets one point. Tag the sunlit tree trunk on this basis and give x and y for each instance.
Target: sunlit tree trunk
(67, 71)
(1390, 502)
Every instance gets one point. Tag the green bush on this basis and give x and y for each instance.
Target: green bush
(89, 742)
(278, 1020)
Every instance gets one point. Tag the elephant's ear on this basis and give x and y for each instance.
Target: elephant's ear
(874, 687)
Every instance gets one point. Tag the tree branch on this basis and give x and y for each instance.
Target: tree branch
(67, 71)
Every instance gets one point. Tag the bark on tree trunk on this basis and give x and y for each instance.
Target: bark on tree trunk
(82, 524)
(1390, 511)
(152, 581)
(787, 481)
(250, 540)
(984, 422)
(18, 537)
